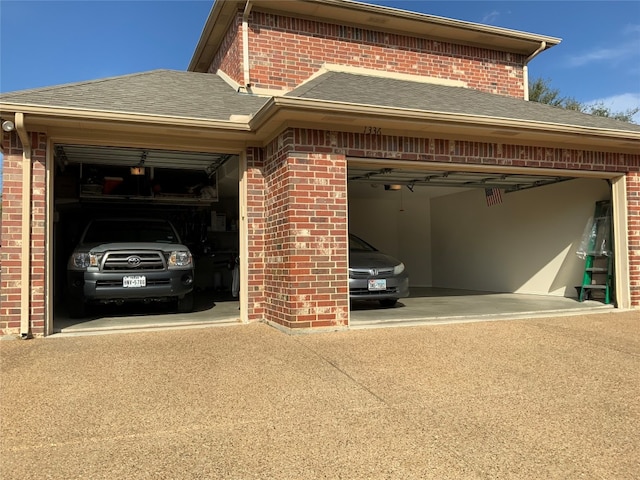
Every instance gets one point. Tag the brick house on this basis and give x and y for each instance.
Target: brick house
(317, 104)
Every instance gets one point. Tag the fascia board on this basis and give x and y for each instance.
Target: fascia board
(398, 20)
(281, 110)
(220, 16)
(84, 114)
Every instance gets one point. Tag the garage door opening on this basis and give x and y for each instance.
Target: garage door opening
(197, 192)
(477, 234)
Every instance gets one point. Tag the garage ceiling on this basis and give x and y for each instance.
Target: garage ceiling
(445, 178)
(131, 157)
(211, 162)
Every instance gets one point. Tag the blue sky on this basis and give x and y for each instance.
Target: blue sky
(46, 43)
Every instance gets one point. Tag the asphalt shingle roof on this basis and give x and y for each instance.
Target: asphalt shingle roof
(207, 96)
(386, 92)
(157, 92)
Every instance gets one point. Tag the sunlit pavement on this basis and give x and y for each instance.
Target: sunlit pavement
(551, 398)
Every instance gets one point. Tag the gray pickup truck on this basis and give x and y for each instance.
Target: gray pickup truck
(129, 259)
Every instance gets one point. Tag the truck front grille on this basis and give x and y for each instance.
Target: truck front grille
(133, 261)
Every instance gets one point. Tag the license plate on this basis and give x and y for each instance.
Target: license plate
(379, 284)
(134, 281)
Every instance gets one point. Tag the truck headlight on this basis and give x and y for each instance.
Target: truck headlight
(398, 269)
(79, 261)
(83, 260)
(180, 258)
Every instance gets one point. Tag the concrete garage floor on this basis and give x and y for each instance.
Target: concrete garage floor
(209, 309)
(445, 305)
(424, 306)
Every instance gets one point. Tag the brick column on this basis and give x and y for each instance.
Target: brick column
(305, 277)
(10, 282)
(633, 208)
(254, 256)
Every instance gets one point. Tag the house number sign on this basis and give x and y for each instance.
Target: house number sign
(372, 131)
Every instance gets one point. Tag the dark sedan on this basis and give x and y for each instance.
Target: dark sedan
(374, 275)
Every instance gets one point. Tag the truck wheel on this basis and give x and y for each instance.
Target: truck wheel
(185, 304)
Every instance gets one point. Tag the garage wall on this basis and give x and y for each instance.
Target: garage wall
(527, 244)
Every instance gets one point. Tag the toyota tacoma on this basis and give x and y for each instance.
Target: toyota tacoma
(129, 259)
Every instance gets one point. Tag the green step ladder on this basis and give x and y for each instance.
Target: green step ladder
(598, 264)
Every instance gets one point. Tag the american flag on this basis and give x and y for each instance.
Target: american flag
(493, 196)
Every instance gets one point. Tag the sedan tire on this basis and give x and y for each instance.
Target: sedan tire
(389, 302)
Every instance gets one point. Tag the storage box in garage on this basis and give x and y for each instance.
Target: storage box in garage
(218, 222)
(110, 184)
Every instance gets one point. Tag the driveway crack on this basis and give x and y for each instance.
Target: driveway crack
(345, 374)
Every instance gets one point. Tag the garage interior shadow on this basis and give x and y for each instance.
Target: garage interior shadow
(210, 307)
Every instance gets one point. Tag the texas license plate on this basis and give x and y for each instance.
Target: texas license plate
(378, 284)
(134, 281)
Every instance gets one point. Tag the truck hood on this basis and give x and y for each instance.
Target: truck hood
(134, 246)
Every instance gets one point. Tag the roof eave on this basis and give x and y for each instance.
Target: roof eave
(124, 129)
(368, 16)
(280, 112)
(50, 114)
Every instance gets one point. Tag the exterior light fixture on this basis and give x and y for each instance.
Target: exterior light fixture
(137, 170)
(8, 126)
(393, 187)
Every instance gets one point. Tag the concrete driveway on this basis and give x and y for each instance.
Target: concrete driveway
(544, 398)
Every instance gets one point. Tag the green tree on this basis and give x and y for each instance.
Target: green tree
(540, 90)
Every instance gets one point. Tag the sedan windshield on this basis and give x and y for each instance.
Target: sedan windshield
(358, 245)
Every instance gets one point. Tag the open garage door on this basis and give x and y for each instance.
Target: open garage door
(197, 192)
(477, 232)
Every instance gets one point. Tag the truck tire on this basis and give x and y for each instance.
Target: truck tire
(185, 304)
(77, 307)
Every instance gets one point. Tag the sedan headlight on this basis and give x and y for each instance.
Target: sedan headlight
(398, 269)
(180, 258)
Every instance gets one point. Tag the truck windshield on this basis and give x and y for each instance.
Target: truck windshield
(127, 231)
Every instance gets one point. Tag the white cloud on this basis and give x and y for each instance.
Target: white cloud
(631, 29)
(490, 18)
(624, 51)
(620, 103)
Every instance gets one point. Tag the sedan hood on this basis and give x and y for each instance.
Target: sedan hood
(358, 259)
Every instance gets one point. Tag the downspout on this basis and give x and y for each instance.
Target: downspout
(245, 46)
(525, 69)
(25, 237)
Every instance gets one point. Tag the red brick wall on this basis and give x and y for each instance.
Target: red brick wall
(633, 205)
(305, 235)
(256, 234)
(305, 273)
(465, 152)
(10, 282)
(229, 56)
(286, 51)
